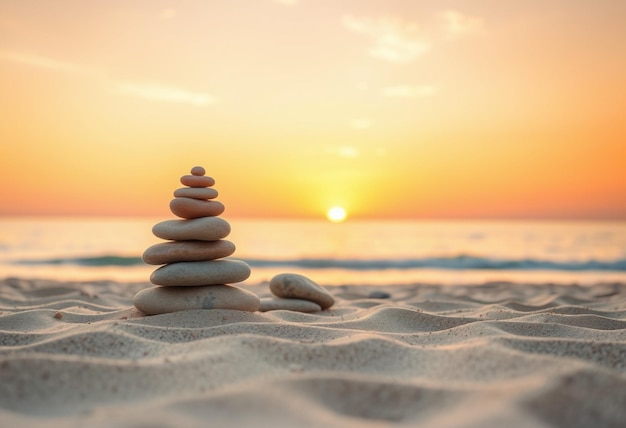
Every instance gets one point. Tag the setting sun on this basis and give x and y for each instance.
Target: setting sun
(336, 214)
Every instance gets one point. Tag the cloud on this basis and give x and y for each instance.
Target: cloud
(347, 152)
(167, 14)
(406, 91)
(360, 124)
(50, 64)
(391, 40)
(287, 2)
(165, 93)
(149, 91)
(351, 152)
(456, 25)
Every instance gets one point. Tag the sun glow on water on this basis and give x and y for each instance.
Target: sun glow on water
(336, 214)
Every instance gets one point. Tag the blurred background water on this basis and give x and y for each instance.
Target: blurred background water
(354, 252)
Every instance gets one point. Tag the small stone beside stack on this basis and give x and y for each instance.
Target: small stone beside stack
(296, 292)
(195, 273)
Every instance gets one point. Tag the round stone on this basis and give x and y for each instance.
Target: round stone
(196, 193)
(379, 295)
(202, 229)
(162, 300)
(197, 181)
(187, 251)
(296, 305)
(294, 286)
(194, 208)
(210, 272)
(197, 170)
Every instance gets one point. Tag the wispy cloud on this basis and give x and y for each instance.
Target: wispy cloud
(167, 14)
(348, 152)
(455, 24)
(408, 91)
(351, 152)
(360, 124)
(165, 93)
(391, 40)
(148, 91)
(287, 2)
(49, 63)
(341, 151)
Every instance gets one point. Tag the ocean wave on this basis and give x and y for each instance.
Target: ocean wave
(95, 261)
(458, 262)
(448, 263)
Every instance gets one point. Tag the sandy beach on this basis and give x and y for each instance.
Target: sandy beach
(490, 355)
(298, 213)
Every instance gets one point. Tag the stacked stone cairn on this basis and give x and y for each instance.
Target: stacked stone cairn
(196, 273)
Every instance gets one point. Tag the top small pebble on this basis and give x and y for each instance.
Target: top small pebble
(197, 170)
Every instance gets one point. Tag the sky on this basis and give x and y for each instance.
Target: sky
(399, 109)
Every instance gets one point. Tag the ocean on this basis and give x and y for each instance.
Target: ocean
(353, 252)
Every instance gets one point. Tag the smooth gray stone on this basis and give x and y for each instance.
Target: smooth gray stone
(162, 300)
(296, 305)
(197, 181)
(198, 170)
(210, 272)
(379, 295)
(202, 229)
(187, 251)
(190, 208)
(196, 193)
(295, 286)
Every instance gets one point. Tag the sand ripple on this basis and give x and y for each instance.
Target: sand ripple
(480, 356)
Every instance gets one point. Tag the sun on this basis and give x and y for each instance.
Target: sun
(336, 214)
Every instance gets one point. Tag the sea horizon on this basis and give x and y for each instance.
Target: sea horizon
(365, 252)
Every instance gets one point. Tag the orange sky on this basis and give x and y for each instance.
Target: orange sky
(391, 109)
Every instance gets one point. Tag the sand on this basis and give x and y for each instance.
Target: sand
(491, 355)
